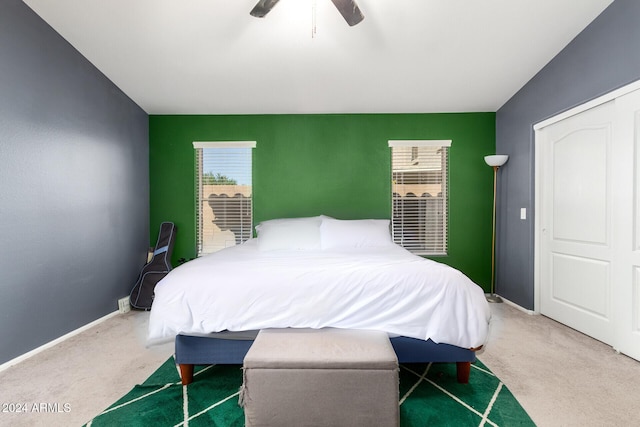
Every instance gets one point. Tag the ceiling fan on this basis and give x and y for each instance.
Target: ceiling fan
(347, 8)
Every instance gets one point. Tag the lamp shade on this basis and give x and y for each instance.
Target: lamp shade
(496, 159)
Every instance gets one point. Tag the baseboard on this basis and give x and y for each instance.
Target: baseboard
(50, 344)
(516, 306)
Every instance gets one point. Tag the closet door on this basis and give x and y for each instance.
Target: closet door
(576, 247)
(589, 222)
(627, 226)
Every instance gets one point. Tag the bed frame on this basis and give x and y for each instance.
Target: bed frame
(198, 350)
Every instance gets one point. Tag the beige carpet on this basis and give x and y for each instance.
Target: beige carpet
(561, 377)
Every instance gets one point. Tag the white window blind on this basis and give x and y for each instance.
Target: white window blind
(419, 173)
(224, 208)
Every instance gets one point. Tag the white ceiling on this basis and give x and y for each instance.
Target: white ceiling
(212, 57)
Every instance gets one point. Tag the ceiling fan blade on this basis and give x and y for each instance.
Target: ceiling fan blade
(262, 8)
(349, 11)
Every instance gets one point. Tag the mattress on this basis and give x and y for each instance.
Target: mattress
(383, 288)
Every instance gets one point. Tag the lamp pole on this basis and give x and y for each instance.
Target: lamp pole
(495, 161)
(492, 297)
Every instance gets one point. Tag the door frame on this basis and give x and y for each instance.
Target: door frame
(631, 87)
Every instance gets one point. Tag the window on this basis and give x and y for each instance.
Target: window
(419, 174)
(223, 194)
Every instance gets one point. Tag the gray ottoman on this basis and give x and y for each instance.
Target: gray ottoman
(320, 377)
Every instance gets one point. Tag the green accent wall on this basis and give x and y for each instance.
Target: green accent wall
(333, 164)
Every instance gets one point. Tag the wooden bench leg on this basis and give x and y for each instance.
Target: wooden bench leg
(186, 373)
(463, 370)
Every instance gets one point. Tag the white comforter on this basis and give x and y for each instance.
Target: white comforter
(387, 289)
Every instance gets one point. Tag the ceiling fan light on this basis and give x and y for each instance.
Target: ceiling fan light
(347, 8)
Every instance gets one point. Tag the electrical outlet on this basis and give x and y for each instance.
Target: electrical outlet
(123, 305)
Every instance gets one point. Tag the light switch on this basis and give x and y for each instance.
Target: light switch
(523, 213)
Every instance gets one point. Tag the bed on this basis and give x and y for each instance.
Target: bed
(318, 272)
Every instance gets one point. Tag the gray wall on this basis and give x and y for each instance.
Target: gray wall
(604, 57)
(74, 186)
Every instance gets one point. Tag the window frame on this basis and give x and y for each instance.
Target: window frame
(199, 146)
(399, 230)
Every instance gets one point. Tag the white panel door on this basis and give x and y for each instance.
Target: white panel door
(627, 225)
(576, 250)
(589, 218)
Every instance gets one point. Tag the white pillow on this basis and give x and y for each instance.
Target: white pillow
(356, 233)
(297, 234)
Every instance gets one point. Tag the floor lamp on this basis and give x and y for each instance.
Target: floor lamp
(495, 162)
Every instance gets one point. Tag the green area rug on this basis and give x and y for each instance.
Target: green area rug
(429, 396)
